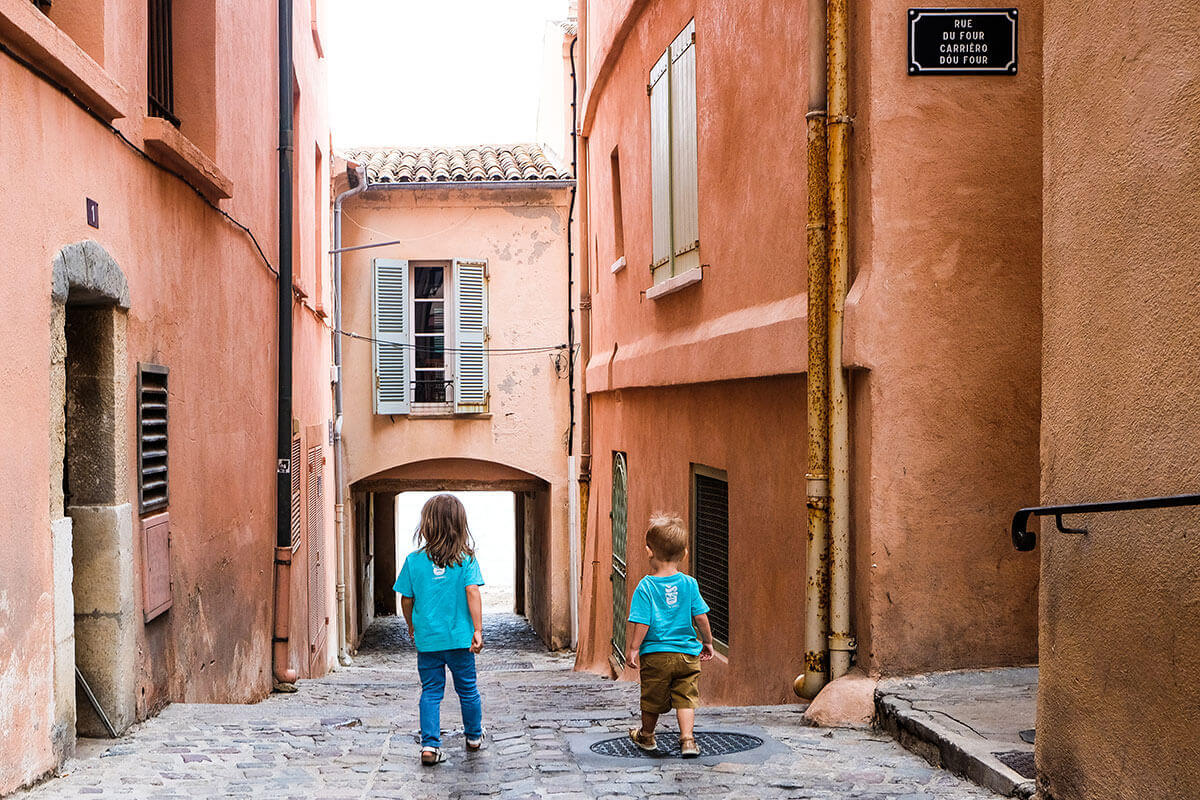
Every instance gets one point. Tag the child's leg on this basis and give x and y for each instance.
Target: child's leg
(432, 669)
(687, 722)
(649, 722)
(462, 669)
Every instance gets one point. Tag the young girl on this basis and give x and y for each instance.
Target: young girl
(439, 584)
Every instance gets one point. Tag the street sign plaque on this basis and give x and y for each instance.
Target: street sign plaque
(962, 41)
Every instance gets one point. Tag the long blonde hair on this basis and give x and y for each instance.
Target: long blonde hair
(444, 532)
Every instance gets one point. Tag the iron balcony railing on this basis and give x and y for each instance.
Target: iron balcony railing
(1025, 540)
(432, 396)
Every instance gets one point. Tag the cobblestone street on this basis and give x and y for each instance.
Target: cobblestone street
(350, 735)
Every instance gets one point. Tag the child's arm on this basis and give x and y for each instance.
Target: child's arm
(406, 606)
(475, 606)
(706, 640)
(637, 635)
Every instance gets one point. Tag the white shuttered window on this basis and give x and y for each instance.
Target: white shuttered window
(673, 159)
(430, 325)
(470, 337)
(390, 330)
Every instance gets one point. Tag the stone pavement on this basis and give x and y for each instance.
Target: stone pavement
(350, 735)
(971, 722)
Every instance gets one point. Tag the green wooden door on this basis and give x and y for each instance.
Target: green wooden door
(618, 515)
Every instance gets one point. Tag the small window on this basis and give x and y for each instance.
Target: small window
(618, 516)
(430, 331)
(710, 545)
(152, 438)
(618, 224)
(674, 173)
(160, 61)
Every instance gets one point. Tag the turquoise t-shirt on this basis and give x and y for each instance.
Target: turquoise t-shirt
(667, 605)
(441, 619)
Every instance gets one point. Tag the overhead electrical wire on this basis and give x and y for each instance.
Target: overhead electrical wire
(501, 351)
(49, 80)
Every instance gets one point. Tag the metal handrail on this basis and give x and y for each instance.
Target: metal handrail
(1025, 540)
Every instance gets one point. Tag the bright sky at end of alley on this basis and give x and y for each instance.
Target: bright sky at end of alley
(435, 71)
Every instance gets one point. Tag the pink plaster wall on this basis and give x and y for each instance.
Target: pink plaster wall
(203, 304)
(1118, 705)
(943, 326)
(522, 234)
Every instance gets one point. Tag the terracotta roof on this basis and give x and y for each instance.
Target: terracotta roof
(509, 162)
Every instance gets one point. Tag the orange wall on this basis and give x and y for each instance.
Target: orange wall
(943, 323)
(203, 304)
(1118, 705)
(737, 427)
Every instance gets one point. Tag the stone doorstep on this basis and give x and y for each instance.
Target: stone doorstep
(935, 736)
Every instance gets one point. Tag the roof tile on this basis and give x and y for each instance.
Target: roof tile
(510, 162)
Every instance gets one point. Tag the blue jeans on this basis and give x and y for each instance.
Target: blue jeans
(432, 668)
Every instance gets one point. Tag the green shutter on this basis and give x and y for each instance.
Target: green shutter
(389, 328)
(470, 337)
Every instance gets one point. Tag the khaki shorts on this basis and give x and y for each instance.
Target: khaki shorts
(669, 680)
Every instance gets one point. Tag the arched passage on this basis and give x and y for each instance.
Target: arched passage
(377, 552)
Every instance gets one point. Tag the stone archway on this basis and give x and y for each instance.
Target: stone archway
(91, 518)
(541, 592)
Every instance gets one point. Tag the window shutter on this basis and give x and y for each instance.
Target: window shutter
(152, 437)
(710, 557)
(660, 168)
(389, 328)
(685, 210)
(470, 337)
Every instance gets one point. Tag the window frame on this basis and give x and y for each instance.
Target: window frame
(449, 326)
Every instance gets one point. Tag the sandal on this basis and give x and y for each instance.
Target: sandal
(688, 747)
(645, 741)
(474, 745)
(431, 756)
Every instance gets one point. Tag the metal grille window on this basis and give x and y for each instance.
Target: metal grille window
(674, 184)
(152, 437)
(619, 517)
(160, 61)
(710, 550)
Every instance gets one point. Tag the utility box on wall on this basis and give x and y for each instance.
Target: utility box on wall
(156, 565)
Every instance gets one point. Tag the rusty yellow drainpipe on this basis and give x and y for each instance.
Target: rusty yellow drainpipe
(841, 642)
(816, 618)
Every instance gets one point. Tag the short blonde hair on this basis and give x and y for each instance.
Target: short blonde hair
(667, 537)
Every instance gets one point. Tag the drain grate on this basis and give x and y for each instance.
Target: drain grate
(504, 666)
(1019, 761)
(712, 743)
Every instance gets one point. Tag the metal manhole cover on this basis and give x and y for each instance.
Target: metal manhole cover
(1019, 761)
(712, 743)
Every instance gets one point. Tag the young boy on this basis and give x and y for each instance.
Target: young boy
(665, 614)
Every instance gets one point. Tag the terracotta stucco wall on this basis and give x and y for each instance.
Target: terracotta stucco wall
(943, 325)
(944, 313)
(202, 303)
(522, 234)
(1117, 705)
(738, 428)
